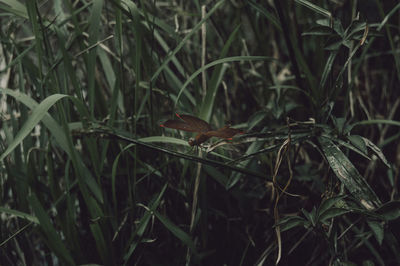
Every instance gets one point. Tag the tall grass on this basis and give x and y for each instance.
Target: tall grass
(89, 177)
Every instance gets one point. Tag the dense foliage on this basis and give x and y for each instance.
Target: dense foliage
(89, 177)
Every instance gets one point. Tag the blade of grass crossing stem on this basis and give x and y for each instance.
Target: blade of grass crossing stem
(217, 62)
(144, 221)
(161, 42)
(37, 115)
(54, 241)
(348, 174)
(208, 103)
(176, 83)
(164, 45)
(92, 205)
(59, 135)
(184, 40)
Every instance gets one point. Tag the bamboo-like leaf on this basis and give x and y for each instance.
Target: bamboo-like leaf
(376, 150)
(389, 210)
(58, 133)
(348, 174)
(314, 8)
(332, 213)
(38, 113)
(377, 229)
(358, 142)
(20, 214)
(290, 222)
(328, 203)
(176, 231)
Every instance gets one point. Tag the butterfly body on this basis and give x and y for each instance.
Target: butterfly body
(200, 138)
(193, 124)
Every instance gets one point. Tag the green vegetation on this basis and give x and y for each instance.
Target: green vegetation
(89, 177)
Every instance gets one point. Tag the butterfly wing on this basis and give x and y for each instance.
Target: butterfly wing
(195, 123)
(224, 133)
(180, 125)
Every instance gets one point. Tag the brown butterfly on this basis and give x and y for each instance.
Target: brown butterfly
(194, 124)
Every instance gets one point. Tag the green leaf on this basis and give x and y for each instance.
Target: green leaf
(319, 31)
(255, 119)
(37, 115)
(184, 40)
(351, 147)
(270, 16)
(19, 214)
(15, 7)
(348, 174)
(328, 68)
(58, 133)
(163, 139)
(315, 8)
(389, 210)
(176, 231)
(216, 78)
(291, 222)
(376, 150)
(358, 142)
(328, 203)
(377, 229)
(310, 216)
(377, 121)
(331, 213)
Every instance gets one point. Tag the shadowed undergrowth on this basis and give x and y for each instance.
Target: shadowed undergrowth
(88, 176)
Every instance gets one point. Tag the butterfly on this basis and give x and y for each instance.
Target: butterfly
(193, 124)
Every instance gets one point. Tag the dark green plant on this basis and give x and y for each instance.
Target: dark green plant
(88, 177)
